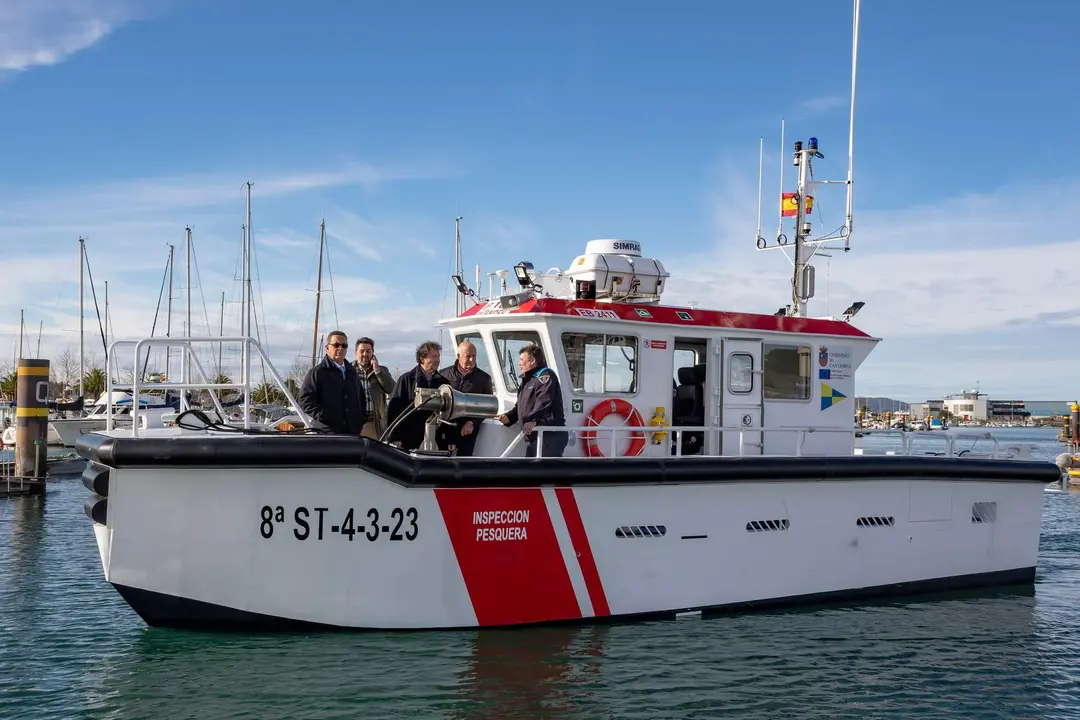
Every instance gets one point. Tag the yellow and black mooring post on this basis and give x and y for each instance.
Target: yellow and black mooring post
(1072, 427)
(31, 419)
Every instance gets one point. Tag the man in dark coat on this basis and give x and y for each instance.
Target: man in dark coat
(409, 435)
(331, 392)
(539, 402)
(465, 377)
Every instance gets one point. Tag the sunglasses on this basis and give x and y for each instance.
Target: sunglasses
(344, 345)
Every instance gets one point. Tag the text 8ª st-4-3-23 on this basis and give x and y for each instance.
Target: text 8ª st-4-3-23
(317, 523)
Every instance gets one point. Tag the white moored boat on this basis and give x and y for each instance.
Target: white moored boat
(152, 410)
(713, 466)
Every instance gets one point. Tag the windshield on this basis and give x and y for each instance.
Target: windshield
(507, 348)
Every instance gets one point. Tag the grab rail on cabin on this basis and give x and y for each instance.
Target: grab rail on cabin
(618, 434)
(190, 359)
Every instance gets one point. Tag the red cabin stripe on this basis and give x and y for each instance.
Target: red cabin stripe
(668, 315)
(583, 550)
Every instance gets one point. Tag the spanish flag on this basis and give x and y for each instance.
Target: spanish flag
(789, 206)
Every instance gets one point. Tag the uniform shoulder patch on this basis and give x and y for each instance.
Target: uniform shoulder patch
(543, 378)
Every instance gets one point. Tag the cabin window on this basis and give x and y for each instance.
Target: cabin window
(601, 363)
(476, 339)
(786, 372)
(741, 373)
(508, 346)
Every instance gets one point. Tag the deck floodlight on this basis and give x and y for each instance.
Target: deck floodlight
(521, 271)
(853, 310)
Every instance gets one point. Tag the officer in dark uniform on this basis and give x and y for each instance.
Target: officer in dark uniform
(539, 402)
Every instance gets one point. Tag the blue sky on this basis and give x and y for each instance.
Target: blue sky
(545, 126)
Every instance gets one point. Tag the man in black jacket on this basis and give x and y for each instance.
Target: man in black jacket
(539, 402)
(409, 435)
(465, 377)
(331, 392)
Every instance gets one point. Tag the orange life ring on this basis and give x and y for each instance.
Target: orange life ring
(617, 407)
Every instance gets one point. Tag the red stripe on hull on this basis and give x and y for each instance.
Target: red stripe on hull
(583, 550)
(668, 315)
(508, 554)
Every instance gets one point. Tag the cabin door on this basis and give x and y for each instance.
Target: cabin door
(741, 395)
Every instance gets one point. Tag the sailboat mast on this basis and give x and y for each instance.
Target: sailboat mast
(185, 368)
(221, 333)
(245, 352)
(168, 319)
(82, 272)
(40, 327)
(106, 314)
(459, 299)
(22, 330)
(318, 296)
(247, 267)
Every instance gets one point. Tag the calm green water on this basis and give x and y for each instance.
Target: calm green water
(70, 648)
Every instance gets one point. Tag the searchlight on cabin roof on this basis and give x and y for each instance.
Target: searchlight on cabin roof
(521, 271)
(853, 310)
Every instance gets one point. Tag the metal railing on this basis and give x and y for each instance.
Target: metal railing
(190, 360)
(617, 434)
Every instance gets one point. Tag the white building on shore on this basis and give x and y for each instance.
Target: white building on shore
(971, 406)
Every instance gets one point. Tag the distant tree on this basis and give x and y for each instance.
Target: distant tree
(268, 394)
(94, 383)
(204, 395)
(125, 374)
(66, 370)
(7, 386)
(294, 376)
(93, 361)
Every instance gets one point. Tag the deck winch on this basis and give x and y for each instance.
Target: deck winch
(446, 405)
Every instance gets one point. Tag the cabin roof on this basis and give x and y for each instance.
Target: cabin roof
(668, 315)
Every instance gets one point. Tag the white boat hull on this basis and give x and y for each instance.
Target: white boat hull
(68, 431)
(213, 547)
(9, 436)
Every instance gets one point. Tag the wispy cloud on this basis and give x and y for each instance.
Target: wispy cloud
(504, 232)
(194, 192)
(45, 32)
(128, 224)
(388, 237)
(935, 279)
(824, 103)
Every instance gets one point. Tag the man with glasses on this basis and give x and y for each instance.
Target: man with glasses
(331, 392)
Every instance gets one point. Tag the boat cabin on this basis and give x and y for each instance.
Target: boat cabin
(729, 383)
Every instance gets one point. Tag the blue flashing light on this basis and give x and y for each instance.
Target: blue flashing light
(811, 144)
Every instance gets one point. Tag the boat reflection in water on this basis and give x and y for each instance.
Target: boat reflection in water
(972, 655)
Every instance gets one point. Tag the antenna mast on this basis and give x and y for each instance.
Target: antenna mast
(851, 131)
(760, 161)
(800, 204)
